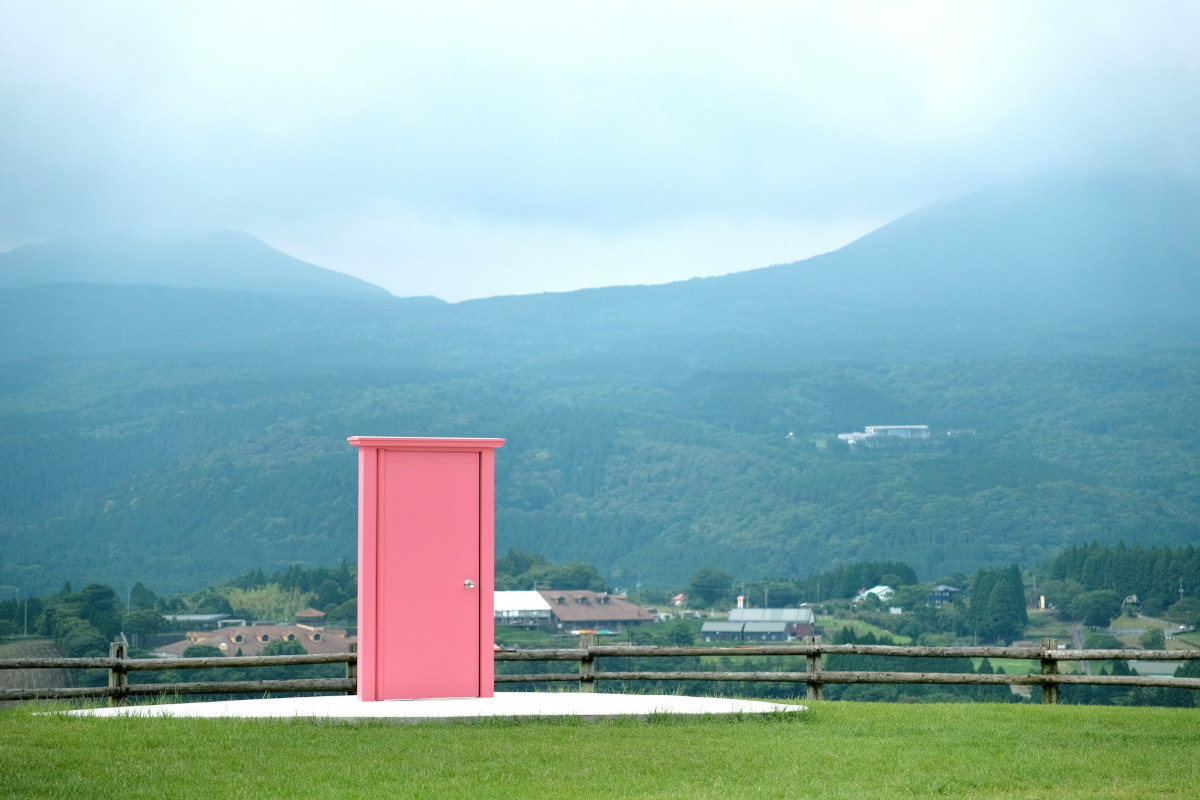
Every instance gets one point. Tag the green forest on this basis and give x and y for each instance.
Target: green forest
(180, 473)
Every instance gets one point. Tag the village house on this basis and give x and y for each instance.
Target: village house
(310, 617)
(943, 594)
(250, 640)
(883, 593)
(760, 625)
(520, 609)
(581, 609)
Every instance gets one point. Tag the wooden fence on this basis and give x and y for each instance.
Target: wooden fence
(814, 677)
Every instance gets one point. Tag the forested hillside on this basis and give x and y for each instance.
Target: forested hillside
(1157, 580)
(179, 436)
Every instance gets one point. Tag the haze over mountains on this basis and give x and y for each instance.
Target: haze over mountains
(219, 260)
(175, 412)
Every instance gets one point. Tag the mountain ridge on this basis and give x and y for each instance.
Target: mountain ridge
(181, 436)
(228, 260)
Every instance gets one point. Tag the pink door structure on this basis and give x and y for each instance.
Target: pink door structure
(425, 567)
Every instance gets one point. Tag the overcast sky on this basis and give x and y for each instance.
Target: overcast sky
(473, 149)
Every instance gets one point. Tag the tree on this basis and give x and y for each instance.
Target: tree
(997, 609)
(981, 591)
(347, 612)
(676, 633)
(1099, 640)
(1096, 609)
(1184, 611)
(1153, 639)
(268, 602)
(1017, 604)
(1003, 622)
(280, 647)
(142, 622)
(517, 562)
(212, 603)
(708, 585)
(99, 605)
(80, 638)
(573, 575)
(870, 602)
(1061, 593)
(203, 651)
(773, 593)
(142, 598)
(1189, 669)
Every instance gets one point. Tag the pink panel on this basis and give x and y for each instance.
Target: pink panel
(428, 631)
(425, 530)
(368, 540)
(487, 572)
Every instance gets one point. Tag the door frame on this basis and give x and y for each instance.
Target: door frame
(370, 451)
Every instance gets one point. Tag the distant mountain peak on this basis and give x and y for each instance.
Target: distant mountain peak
(1096, 244)
(229, 260)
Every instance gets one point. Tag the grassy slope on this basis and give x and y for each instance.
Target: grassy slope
(32, 678)
(838, 750)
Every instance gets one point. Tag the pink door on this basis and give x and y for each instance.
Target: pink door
(428, 575)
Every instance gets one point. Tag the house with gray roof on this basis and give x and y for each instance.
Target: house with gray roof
(760, 625)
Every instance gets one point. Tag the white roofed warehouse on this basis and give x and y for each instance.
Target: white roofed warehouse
(521, 609)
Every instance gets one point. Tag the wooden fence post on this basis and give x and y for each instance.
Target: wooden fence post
(587, 664)
(812, 664)
(118, 677)
(1050, 691)
(352, 669)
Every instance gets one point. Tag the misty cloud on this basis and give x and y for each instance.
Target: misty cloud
(588, 140)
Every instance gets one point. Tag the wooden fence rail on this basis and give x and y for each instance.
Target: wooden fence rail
(814, 677)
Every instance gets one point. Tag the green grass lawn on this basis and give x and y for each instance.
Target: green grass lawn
(836, 750)
(1192, 638)
(509, 637)
(1014, 666)
(1043, 623)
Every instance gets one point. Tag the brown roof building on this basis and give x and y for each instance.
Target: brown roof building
(311, 617)
(249, 640)
(583, 609)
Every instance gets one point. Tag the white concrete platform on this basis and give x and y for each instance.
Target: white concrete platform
(503, 705)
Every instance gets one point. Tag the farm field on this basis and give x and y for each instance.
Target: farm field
(835, 750)
(1190, 640)
(1047, 623)
(831, 625)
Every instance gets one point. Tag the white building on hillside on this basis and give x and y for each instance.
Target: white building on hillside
(884, 593)
(887, 432)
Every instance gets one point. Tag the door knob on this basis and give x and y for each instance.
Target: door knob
(470, 584)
